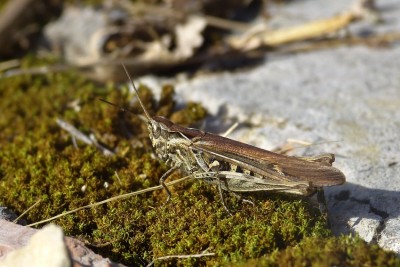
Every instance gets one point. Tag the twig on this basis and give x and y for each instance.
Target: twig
(81, 136)
(231, 129)
(111, 199)
(25, 212)
(116, 174)
(5, 65)
(12, 16)
(301, 144)
(36, 70)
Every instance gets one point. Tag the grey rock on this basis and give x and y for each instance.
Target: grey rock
(7, 214)
(350, 95)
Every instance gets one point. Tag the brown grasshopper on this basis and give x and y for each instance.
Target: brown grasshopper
(234, 166)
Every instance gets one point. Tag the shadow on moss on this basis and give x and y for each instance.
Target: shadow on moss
(40, 162)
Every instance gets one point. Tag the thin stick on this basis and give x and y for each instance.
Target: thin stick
(25, 212)
(111, 199)
(302, 144)
(180, 257)
(5, 65)
(81, 136)
(36, 70)
(116, 174)
(231, 129)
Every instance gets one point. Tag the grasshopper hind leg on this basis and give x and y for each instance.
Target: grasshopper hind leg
(238, 196)
(317, 201)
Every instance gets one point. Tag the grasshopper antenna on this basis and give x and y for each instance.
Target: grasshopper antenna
(119, 107)
(137, 93)
(143, 118)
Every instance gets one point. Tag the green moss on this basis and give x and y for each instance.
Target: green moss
(192, 112)
(40, 162)
(332, 251)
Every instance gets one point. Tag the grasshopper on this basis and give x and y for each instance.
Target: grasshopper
(234, 166)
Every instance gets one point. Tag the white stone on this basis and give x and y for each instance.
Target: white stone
(46, 248)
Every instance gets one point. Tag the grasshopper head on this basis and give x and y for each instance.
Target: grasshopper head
(159, 126)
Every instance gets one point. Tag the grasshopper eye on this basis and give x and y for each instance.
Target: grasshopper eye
(156, 130)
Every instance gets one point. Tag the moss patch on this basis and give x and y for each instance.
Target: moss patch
(332, 251)
(40, 162)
